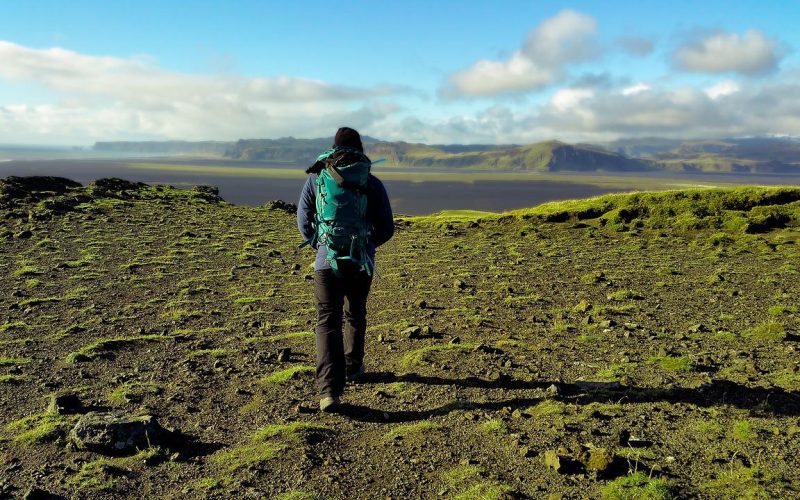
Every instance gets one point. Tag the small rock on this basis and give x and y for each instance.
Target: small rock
(600, 459)
(113, 433)
(427, 331)
(284, 355)
(422, 304)
(25, 234)
(553, 390)
(553, 461)
(412, 332)
(455, 340)
(381, 338)
(38, 494)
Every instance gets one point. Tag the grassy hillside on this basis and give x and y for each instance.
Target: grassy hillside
(627, 346)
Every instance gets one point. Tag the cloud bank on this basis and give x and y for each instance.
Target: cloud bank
(749, 54)
(556, 42)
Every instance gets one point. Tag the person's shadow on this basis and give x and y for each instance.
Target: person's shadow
(773, 401)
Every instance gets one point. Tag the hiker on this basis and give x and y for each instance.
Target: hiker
(343, 213)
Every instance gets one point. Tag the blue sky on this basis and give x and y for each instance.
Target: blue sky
(445, 71)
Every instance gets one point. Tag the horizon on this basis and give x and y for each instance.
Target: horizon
(515, 73)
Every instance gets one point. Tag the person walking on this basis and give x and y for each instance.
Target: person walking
(344, 213)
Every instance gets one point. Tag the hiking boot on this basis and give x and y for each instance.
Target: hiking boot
(356, 375)
(329, 403)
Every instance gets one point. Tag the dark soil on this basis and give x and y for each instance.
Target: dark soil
(583, 358)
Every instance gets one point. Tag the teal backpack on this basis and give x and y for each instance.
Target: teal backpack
(341, 218)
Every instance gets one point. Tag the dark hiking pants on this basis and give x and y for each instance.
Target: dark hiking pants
(340, 297)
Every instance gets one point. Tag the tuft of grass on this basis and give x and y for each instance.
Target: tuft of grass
(102, 474)
(11, 379)
(672, 363)
(547, 408)
(770, 331)
(38, 428)
(27, 271)
(636, 486)
(738, 482)
(743, 430)
(408, 430)
(494, 426)
(134, 390)
(418, 356)
(285, 375)
(4, 361)
(782, 310)
(13, 325)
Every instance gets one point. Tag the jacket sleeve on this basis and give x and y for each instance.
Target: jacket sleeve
(382, 217)
(306, 210)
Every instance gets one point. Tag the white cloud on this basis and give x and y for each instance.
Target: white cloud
(108, 97)
(635, 89)
(722, 89)
(748, 54)
(554, 43)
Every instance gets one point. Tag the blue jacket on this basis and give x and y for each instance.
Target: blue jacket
(379, 215)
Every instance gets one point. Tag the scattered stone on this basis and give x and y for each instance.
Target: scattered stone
(412, 332)
(422, 304)
(113, 433)
(698, 328)
(607, 323)
(381, 338)
(459, 284)
(24, 234)
(455, 340)
(600, 459)
(281, 205)
(553, 461)
(284, 355)
(427, 331)
(553, 390)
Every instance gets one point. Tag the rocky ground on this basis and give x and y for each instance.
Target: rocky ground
(158, 343)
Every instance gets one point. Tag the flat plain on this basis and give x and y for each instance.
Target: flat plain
(637, 345)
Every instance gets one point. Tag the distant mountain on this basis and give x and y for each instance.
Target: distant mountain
(742, 155)
(165, 147)
(739, 155)
(544, 156)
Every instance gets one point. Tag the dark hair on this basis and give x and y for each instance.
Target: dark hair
(347, 137)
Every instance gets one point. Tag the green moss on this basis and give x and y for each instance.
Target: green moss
(134, 390)
(4, 361)
(485, 490)
(673, 363)
(247, 455)
(782, 310)
(739, 482)
(743, 430)
(38, 428)
(27, 271)
(409, 430)
(418, 356)
(13, 325)
(287, 374)
(294, 431)
(767, 332)
(547, 408)
(494, 426)
(104, 473)
(636, 486)
(11, 379)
